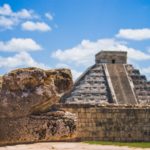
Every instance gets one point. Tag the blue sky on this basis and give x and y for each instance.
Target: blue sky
(68, 33)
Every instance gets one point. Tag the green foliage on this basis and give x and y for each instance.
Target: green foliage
(129, 144)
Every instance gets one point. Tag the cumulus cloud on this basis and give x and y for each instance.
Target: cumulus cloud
(6, 10)
(49, 16)
(25, 17)
(134, 34)
(19, 44)
(7, 22)
(9, 18)
(145, 71)
(74, 72)
(33, 26)
(25, 14)
(83, 53)
(22, 59)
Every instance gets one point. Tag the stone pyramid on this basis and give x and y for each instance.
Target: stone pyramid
(110, 80)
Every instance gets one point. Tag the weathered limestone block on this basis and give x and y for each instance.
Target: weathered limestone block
(1, 80)
(26, 112)
(29, 90)
(50, 126)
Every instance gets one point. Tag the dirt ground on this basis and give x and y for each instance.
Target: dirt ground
(65, 146)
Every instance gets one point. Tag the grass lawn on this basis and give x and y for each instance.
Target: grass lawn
(129, 144)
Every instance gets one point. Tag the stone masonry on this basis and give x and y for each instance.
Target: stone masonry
(92, 87)
(110, 122)
(110, 80)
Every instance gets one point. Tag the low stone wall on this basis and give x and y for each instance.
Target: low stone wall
(93, 122)
(110, 123)
(51, 126)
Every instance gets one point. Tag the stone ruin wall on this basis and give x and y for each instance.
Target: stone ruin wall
(93, 122)
(51, 126)
(110, 122)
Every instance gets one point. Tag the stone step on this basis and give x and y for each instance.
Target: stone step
(141, 86)
(138, 77)
(94, 93)
(92, 87)
(121, 84)
(100, 80)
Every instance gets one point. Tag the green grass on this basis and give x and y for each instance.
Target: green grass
(129, 144)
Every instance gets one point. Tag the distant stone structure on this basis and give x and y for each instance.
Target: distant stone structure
(110, 80)
(112, 57)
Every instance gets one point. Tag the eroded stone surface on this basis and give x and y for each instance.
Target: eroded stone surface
(1, 80)
(50, 126)
(29, 90)
(26, 115)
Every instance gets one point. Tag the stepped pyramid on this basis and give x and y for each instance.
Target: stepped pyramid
(110, 80)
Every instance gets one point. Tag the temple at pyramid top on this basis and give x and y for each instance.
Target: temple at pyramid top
(110, 80)
(112, 57)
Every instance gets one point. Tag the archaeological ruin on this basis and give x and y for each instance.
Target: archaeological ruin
(110, 101)
(110, 80)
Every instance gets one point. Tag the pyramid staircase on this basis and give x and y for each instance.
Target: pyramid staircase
(121, 84)
(140, 83)
(110, 80)
(91, 87)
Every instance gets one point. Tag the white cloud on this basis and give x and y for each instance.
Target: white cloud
(19, 44)
(6, 10)
(146, 71)
(61, 65)
(83, 53)
(7, 22)
(134, 34)
(22, 59)
(74, 72)
(49, 16)
(25, 14)
(33, 26)
(9, 18)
